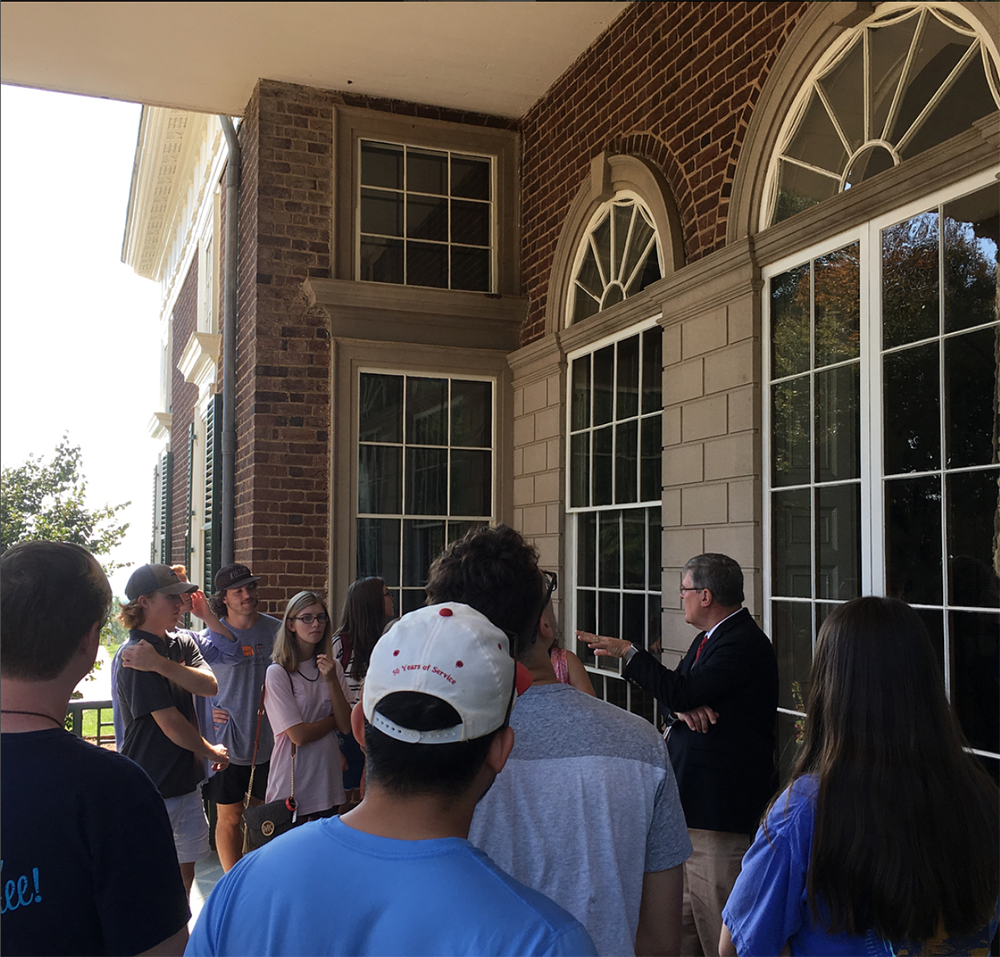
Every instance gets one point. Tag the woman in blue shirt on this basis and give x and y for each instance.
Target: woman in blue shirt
(886, 840)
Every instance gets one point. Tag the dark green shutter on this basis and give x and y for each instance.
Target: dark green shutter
(212, 534)
(163, 505)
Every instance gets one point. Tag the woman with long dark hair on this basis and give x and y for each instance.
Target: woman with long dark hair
(367, 609)
(886, 839)
(306, 701)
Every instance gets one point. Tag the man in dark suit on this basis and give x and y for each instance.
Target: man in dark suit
(722, 700)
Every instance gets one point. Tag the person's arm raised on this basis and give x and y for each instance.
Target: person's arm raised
(142, 656)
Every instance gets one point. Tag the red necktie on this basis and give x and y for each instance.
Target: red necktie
(697, 654)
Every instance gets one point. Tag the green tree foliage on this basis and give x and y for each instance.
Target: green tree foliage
(42, 501)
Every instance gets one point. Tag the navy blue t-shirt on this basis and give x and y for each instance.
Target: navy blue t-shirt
(89, 865)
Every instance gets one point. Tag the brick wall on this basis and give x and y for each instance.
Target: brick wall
(184, 395)
(675, 83)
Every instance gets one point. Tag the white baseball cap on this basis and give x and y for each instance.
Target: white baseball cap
(449, 651)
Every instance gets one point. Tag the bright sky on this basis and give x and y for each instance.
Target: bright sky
(79, 331)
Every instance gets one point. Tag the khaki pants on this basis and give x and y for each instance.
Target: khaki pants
(709, 875)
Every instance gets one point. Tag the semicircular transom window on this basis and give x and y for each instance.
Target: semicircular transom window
(896, 85)
(618, 256)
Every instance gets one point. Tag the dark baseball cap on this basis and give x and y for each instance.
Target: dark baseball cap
(150, 578)
(233, 576)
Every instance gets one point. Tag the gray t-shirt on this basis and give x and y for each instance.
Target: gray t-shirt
(239, 667)
(586, 805)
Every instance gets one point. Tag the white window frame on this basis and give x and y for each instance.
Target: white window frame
(573, 512)
(405, 192)
(404, 516)
(873, 553)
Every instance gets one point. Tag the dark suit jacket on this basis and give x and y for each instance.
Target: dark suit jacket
(727, 776)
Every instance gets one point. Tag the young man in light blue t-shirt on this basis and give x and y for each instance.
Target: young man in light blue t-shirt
(403, 877)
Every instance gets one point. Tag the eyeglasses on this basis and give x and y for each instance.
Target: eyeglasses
(309, 619)
(685, 588)
(552, 583)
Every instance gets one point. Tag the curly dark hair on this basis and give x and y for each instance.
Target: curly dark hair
(495, 571)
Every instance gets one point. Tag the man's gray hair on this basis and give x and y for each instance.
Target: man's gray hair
(720, 574)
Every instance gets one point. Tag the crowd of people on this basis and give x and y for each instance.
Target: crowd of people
(455, 786)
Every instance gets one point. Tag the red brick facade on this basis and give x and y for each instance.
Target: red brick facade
(674, 83)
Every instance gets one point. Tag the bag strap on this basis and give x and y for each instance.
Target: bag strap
(256, 745)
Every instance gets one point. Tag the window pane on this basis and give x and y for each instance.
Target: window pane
(816, 141)
(973, 510)
(471, 482)
(586, 620)
(586, 551)
(799, 188)
(427, 481)
(838, 306)
(426, 265)
(838, 542)
(626, 460)
(790, 429)
(470, 223)
(838, 424)
(609, 619)
(913, 539)
(844, 87)
(791, 632)
(634, 618)
(378, 548)
(602, 244)
(791, 544)
(621, 217)
(790, 322)
(470, 269)
(888, 47)
(651, 466)
(603, 466)
(654, 618)
(912, 427)
(426, 411)
(381, 165)
(652, 370)
(628, 378)
(427, 218)
(609, 556)
(381, 260)
(427, 171)
(604, 370)
(974, 642)
(642, 232)
(471, 413)
(579, 486)
(970, 260)
(655, 545)
(580, 412)
(381, 212)
(422, 542)
(411, 600)
(380, 479)
(910, 280)
(470, 177)
(634, 548)
(936, 55)
(380, 416)
(971, 389)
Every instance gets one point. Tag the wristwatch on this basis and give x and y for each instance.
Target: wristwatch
(630, 654)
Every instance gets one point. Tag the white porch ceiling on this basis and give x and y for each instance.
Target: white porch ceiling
(487, 57)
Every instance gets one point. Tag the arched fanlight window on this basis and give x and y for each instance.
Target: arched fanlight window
(618, 256)
(907, 79)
